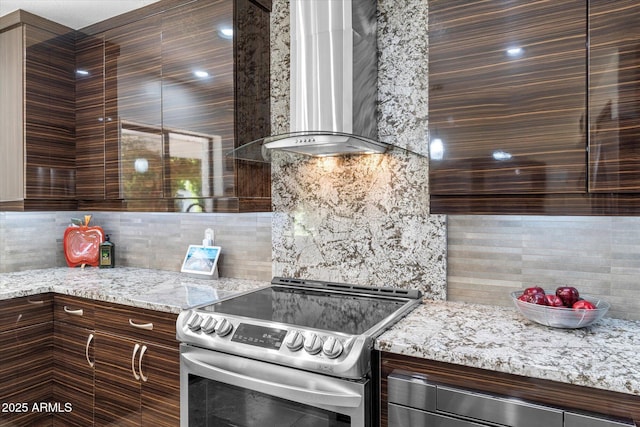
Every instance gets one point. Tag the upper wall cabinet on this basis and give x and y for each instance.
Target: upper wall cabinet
(37, 145)
(614, 96)
(510, 131)
(181, 89)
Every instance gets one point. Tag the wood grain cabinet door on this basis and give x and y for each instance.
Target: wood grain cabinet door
(136, 383)
(117, 390)
(507, 109)
(73, 374)
(26, 365)
(614, 96)
(74, 360)
(137, 379)
(90, 118)
(133, 110)
(160, 395)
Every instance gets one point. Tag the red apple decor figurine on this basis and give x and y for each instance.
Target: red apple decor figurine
(82, 244)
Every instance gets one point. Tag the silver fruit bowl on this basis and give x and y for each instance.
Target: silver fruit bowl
(561, 317)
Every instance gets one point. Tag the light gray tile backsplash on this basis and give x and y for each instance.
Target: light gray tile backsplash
(490, 256)
(146, 240)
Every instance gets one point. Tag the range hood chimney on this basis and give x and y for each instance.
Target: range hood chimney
(333, 82)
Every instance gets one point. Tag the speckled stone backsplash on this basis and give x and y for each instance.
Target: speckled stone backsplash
(363, 220)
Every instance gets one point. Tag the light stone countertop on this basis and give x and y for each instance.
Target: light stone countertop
(603, 356)
(159, 290)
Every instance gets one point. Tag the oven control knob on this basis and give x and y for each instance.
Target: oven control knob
(313, 344)
(223, 328)
(332, 348)
(194, 322)
(294, 340)
(209, 325)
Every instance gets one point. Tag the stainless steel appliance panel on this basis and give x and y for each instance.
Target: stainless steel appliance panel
(499, 410)
(581, 420)
(412, 391)
(402, 416)
(308, 389)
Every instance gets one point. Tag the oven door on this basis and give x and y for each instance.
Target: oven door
(218, 389)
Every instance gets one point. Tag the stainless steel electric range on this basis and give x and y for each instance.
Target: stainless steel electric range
(295, 353)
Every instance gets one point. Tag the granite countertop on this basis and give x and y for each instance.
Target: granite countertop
(603, 356)
(159, 290)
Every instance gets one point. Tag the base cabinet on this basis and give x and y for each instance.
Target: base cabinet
(74, 360)
(68, 361)
(136, 384)
(137, 378)
(419, 392)
(26, 355)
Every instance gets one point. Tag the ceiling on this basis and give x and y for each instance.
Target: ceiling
(73, 13)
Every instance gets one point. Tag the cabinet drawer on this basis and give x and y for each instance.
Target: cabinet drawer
(441, 405)
(401, 416)
(137, 323)
(583, 420)
(73, 310)
(496, 409)
(25, 311)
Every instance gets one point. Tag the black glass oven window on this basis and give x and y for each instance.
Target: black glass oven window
(350, 314)
(215, 404)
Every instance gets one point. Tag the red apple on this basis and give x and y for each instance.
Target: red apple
(583, 304)
(533, 290)
(568, 294)
(533, 298)
(554, 300)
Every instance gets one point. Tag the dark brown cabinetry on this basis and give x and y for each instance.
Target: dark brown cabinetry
(614, 96)
(181, 89)
(37, 120)
(74, 360)
(26, 355)
(600, 404)
(511, 131)
(87, 363)
(137, 377)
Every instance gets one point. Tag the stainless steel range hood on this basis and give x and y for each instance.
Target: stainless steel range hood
(333, 82)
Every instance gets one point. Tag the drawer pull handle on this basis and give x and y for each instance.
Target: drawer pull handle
(78, 312)
(133, 362)
(147, 326)
(36, 301)
(86, 351)
(142, 351)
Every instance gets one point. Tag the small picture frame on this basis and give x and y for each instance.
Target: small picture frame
(201, 261)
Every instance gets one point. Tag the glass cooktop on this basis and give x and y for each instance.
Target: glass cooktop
(336, 312)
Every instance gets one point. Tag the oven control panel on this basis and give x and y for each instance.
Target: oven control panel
(291, 341)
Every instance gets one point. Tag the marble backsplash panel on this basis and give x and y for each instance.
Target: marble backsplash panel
(363, 220)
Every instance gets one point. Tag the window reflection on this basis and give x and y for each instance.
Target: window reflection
(136, 143)
(170, 163)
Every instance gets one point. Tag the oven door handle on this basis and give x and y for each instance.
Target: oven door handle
(317, 389)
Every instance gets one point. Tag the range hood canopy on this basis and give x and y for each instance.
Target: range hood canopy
(333, 83)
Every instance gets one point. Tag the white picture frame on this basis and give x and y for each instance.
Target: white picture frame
(201, 261)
